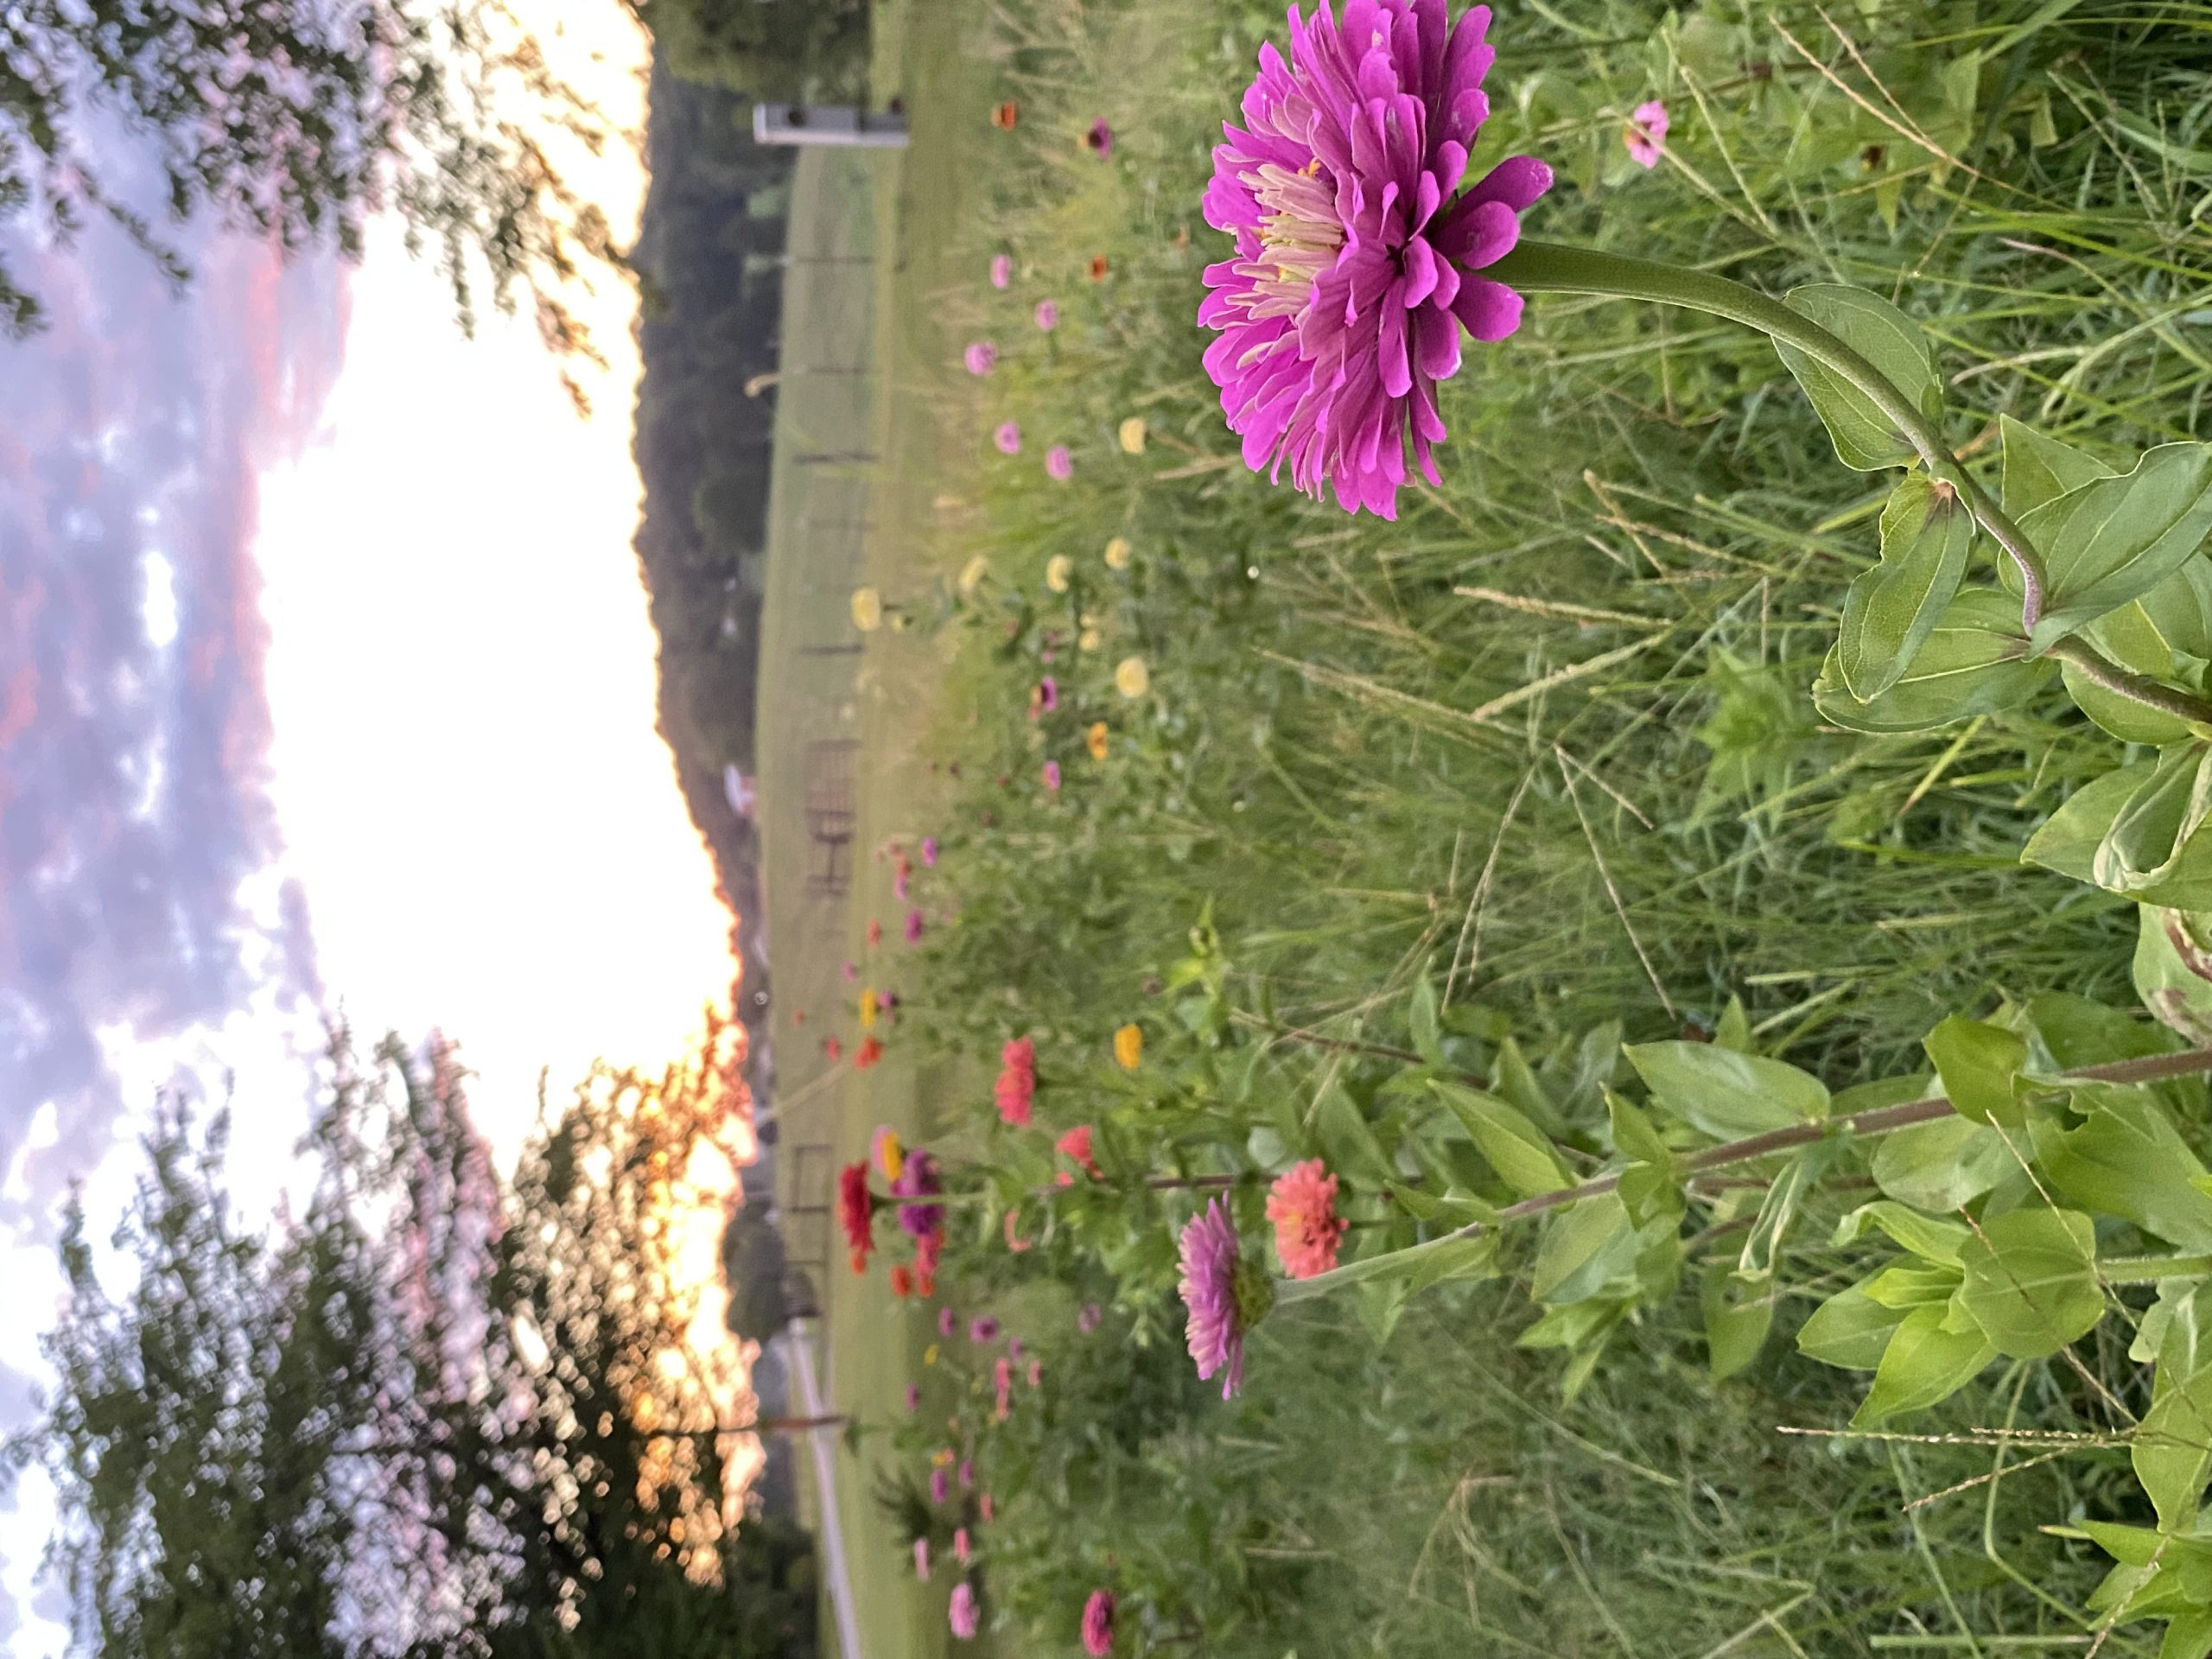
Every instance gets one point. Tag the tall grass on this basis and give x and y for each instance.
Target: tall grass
(1547, 741)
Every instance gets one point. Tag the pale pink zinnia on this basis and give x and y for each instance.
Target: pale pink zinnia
(1647, 133)
(1002, 1387)
(1340, 311)
(1059, 463)
(963, 1612)
(961, 1549)
(1001, 270)
(922, 1559)
(1008, 438)
(1213, 1290)
(1098, 1625)
(1048, 314)
(981, 356)
(1052, 776)
(1302, 1204)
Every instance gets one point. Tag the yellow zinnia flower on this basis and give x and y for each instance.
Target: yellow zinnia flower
(867, 609)
(1059, 570)
(1132, 435)
(1128, 1047)
(1132, 679)
(1096, 739)
(870, 1006)
(929, 1355)
(971, 576)
(1117, 554)
(1090, 638)
(892, 1152)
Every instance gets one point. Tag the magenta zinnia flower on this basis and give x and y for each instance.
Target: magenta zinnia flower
(914, 924)
(981, 356)
(919, 1180)
(940, 1486)
(1098, 1625)
(1048, 314)
(1341, 309)
(982, 1328)
(1001, 270)
(1224, 1299)
(1059, 463)
(1008, 438)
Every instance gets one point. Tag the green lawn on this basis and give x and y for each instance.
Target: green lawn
(860, 461)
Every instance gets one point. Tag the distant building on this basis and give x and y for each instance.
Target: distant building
(836, 125)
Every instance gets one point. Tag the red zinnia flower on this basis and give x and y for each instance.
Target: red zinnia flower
(1017, 1083)
(1075, 1144)
(867, 1054)
(856, 1213)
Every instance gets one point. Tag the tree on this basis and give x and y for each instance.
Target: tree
(297, 120)
(440, 1414)
(765, 49)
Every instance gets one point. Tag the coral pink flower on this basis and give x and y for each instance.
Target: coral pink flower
(1002, 1386)
(1048, 314)
(961, 1549)
(1001, 270)
(1017, 1083)
(1302, 1204)
(1098, 1625)
(922, 1559)
(1036, 1373)
(1340, 310)
(986, 1509)
(1213, 1289)
(1059, 463)
(1076, 1144)
(981, 356)
(1647, 133)
(833, 1048)
(966, 1617)
(1008, 438)
(1015, 1243)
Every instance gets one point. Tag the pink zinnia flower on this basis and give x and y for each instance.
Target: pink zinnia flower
(1052, 776)
(913, 1397)
(1001, 270)
(1098, 1625)
(1036, 1373)
(900, 878)
(1044, 697)
(961, 1548)
(1059, 463)
(1090, 1319)
(1002, 1386)
(982, 1328)
(981, 356)
(1099, 141)
(986, 1504)
(1017, 1083)
(1341, 309)
(928, 852)
(1075, 1144)
(1015, 1242)
(913, 927)
(1048, 316)
(1217, 1290)
(967, 1473)
(922, 1559)
(1008, 438)
(1647, 133)
(940, 1486)
(1302, 1204)
(963, 1612)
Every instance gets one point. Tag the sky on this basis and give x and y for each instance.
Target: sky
(325, 683)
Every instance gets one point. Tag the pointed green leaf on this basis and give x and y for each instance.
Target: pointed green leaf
(2039, 469)
(2031, 1281)
(2114, 539)
(1922, 1363)
(1421, 1016)
(2148, 834)
(1738, 1316)
(2127, 1160)
(2069, 841)
(1515, 1082)
(1586, 1248)
(1520, 1151)
(1735, 1028)
(1865, 439)
(2172, 1450)
(2180, 608)
(1974, 662)
(2128, 637)
(1850, 1330)
(1929, 1237)
(1977, 1063)
(1727, 1095)
(1891, 610)
(1939, 1167)
(2173, 971)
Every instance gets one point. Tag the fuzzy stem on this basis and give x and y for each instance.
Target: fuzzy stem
(1883, 1120)
(1542, 267)
(2097, 669)
(2149, 1269)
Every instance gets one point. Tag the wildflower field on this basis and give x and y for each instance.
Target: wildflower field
(1602, 1054)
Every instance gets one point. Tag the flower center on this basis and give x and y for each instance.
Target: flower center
(1300, 234)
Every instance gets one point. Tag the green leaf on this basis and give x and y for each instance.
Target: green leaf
(2079, 1031)
(2176, 1334)
(1977, 1063)
(2039, 469)
(1738, 1316)
(2144, 844)
(1850, 1330)
(2173, 971)
(1448, 1209)
(1380, 1302)
(2180, 608)
(1735, 1028)
(1906, 1287)
(1347, 1142)
(2031, 1281)
(2172, 1450)
(1926, 1237)
(1515, 1082)
(1891, 610)
(2128, 637)
(1651, 1186)
(1865, 439)
(1422, 1016)
(1940, 1166)
(1922, 1364)
(1777, 1211)
(2071, 839)
(1571, 1324)
(1587, 1247)
(1974, 662)
(2128, 1159)
(2113, 539)
(1519, 1151)
(2189, 1635)
(1727, 1095)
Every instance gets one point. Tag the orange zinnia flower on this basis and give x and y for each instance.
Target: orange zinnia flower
(1097, 267)
(1005, 115)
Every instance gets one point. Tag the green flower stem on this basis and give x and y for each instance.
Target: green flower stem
(1884, 1120)
(2149, 1269)
(2095, 667)
(1545, 267)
